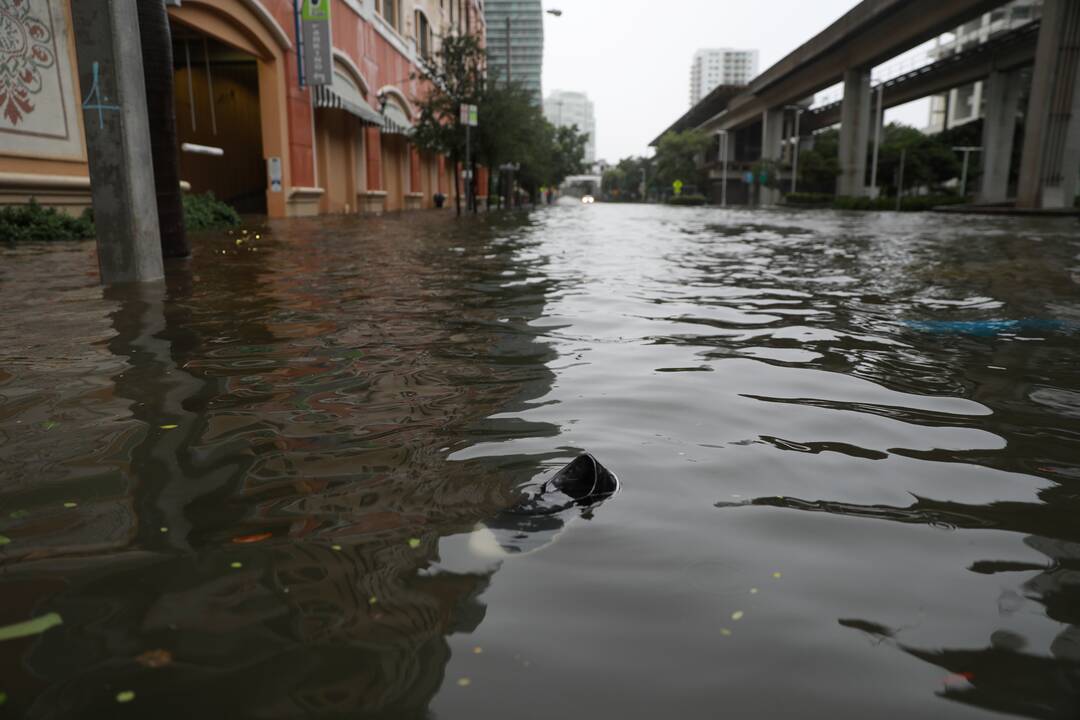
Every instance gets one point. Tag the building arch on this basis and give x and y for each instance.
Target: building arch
(390, 91)
(346, 63)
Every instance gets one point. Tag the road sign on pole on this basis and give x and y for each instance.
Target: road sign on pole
(677, 186)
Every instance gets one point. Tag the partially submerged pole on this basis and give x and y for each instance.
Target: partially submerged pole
(118, 140)
(156, 40)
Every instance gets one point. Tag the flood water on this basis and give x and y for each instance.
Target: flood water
(274, 486)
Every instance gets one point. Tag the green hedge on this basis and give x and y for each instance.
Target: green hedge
(807, 198)
(687, 200)
(20, 223)
(914, 203)
(206, 212)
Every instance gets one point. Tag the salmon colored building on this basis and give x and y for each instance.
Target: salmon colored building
(339, 148)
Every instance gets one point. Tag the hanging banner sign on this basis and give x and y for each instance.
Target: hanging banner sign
(318, 45)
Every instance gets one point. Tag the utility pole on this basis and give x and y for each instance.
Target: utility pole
(723, 166)
(107, 43)
(879, 120)
(900, 183)
(795, 158)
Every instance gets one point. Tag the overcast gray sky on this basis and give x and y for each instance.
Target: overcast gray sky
(633, 56)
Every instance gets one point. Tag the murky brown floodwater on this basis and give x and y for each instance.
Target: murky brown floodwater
(844, 494)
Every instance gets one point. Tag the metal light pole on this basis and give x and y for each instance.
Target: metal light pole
(723, 166)
(879, 120)
(900, 183)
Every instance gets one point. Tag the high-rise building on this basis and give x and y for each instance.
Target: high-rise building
(525, 21)
(964, 104)
(720, 66)
(564, 108)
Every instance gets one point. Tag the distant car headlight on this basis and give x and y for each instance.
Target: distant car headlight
(588, 199)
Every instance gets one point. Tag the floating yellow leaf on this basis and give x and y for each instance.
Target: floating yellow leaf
(169, 427)
(737, 615)
(4, 540)
(725, 632)
(336, 547)
(71, 504)
(372, 600)
(125, 696)
(31, 627)
(478, 650)
(164, 529)
(414, 543)
(464, 682)
(236, 565)
(776, 575)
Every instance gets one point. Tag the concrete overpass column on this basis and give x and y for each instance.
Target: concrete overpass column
(1051, 156)
(855, 122)
(772, 147)
(1002, 92)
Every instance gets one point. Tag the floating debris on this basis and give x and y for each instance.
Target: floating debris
(168, 427)
(464, 682)
(336, 547)
(19, 514)
(737, 615)
(70, 505)
(155, 658)
(236, 565)
(125, 696)
(49, 424)
(4, 540)
(254, 538)
(725, 632)
(372, 600)
(31, 627)
(753, 591)
(164, 529)
(776, 575)
(414, 543)
(478, 650)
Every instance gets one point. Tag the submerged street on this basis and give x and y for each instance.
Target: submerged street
(272, 486)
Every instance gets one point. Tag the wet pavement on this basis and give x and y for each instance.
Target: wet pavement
(281, 483)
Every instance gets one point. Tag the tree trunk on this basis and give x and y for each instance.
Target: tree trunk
(156, 40)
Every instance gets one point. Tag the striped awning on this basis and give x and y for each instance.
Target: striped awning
(395, 121)
(341, 96)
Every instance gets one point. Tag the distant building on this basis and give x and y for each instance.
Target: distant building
(526, 45)
(720, 66)
(564, 108)
(964, 104)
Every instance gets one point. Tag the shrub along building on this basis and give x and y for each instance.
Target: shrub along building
(268, 142)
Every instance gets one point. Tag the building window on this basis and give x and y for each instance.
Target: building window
(423, 35)
(391, 12)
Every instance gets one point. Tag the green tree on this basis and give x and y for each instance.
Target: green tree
(819, 166)
(455, 77)
(928, 160)
(679, 157)
(623, 182)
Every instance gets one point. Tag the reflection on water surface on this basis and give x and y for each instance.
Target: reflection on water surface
(849, 450)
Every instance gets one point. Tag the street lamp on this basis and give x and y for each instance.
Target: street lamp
(799, 109)
(723, 173)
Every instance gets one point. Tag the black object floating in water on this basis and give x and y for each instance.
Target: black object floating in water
(583, 482)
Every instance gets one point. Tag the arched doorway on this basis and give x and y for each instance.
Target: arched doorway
(341, 113)
(231, 95)
(397, 125)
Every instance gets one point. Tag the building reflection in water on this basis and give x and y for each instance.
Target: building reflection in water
(279, 476)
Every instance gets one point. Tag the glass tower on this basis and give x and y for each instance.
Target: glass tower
(526, 42)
